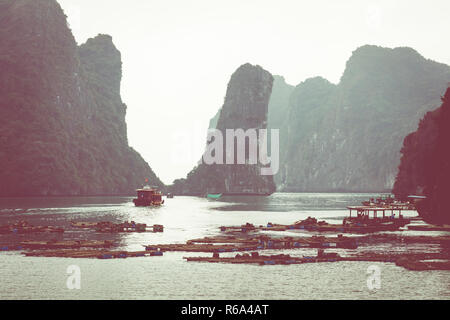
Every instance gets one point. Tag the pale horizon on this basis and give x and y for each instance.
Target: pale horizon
(178, 56)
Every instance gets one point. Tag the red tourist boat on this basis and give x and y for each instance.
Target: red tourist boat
(147, 197)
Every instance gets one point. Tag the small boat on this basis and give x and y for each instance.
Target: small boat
(214, 196)
(148, 196)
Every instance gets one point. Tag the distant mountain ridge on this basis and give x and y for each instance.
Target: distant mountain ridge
(62, 119)
(347, 137)
(63, 129)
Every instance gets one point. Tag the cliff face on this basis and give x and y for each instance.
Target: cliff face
(425, 164)
(417, 157)
(245, 107)
(347, 137)
(62, 120)
(304, 162)
(277, 117)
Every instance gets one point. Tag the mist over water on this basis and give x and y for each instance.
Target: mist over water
(171, 277)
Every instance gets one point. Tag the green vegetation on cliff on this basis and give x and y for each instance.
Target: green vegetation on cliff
(62, 120)
(425, 164)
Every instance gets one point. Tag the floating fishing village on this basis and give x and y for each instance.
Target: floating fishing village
(367, 226)
(224, 150)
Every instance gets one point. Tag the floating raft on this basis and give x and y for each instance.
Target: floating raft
(429, 227)
(322, 227)
(310, 223)
(84, 225)
(22, 227)
(396, 238)
(244, 228)
(423, 265)
(415, 262)
(224, 239)
(100, 254)
(202, 247)
(400, 259)
(356, 228)
(266, 242)
(109, 227)
(233, 244)
(359, 224)
(11, 247)
(236, 244)
(255, 258)
(33, 245)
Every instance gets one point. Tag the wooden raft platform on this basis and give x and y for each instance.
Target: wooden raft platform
(110, 227)
(9, 247)
(316, 241)
(325, 227)
(415, 262)
(429, 227)
(23, 227)
(266, 242)
(361, 223)
(423, 265)
(100, 254)
(202, 248)
(224, 239)
(397, 238)
(74, 244)
(263, 260)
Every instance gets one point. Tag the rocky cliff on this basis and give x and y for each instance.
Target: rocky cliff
(425, 164)
(62, 120)
(245, 107)
(277, 118)
(347, 137)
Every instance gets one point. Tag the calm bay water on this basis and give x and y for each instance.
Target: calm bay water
(171, 277)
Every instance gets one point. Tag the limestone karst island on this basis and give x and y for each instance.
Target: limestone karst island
(207, 150)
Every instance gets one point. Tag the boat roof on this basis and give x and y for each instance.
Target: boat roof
(148, 188)
(371, 208)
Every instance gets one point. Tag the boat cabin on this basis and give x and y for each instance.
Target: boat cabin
(148, 196)
(365, 212)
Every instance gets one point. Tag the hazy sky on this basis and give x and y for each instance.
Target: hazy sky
(178, 55)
